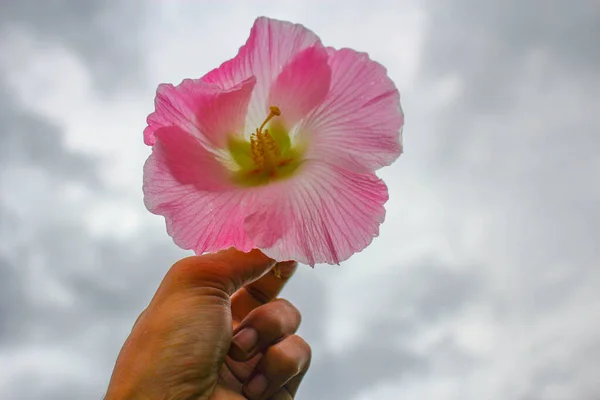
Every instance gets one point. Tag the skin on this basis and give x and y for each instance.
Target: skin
(194, 340)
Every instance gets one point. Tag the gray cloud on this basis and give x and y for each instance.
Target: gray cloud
(29, 141)
(517, 142)
(42, 387)
(522, 129)
(520, 125)
(490, 43)
(104, 33)
(60, 285)
(418, 297)
(11, 293)
(73, 294)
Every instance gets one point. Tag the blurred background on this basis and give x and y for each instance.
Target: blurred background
(484, 282)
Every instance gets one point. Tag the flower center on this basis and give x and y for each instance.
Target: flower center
(265, 153)
(267, 156)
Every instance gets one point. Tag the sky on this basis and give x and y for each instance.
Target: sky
(483, 283)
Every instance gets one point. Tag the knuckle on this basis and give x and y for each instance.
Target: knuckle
(199, 271)
(289, 308)
(185, 268)
(287, 364)
(304, 348)
(288, 358)
(279, 317)
(266, 319)
(258, 293)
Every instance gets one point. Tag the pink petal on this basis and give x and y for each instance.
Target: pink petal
(302, 85)
(188, 161)
(322, 215)
(359, 124)
(271, 46)
(205, 110)
(184, 183)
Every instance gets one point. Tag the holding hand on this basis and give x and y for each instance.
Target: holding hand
(215, 330)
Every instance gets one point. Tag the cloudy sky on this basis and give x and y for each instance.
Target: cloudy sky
(484, 282)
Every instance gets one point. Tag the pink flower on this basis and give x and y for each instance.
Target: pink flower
(276, 149)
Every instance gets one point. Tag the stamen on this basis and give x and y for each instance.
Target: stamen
(257, 151)
(263, 148)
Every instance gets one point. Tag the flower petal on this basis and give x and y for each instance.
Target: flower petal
(185, 184)
(188, 161)
(302, 85)
(207, 111)
(359, 124)
(323, 215)
(271, 46)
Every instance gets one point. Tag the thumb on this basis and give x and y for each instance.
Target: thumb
(186, 329)
(226, 271)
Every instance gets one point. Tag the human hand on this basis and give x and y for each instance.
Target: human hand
(181, 347)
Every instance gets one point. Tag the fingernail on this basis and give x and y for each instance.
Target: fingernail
(246, 339)
(285, 269)
(257, 386)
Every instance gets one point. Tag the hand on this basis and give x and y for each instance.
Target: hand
(181, 346)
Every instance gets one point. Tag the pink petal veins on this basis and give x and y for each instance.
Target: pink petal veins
(346, 113)
(204, 110)
(302, 85)
(188, 161)
(323, 215)
(271, 46)
(359, 124)
(182, 182)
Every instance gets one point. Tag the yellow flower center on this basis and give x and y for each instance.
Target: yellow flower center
(265, 153)
(267, 156)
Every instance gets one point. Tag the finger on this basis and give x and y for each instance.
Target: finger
(292, 386)
(263, 327)
(261, 291)
(282, 394)
(226, 271)
(280, 364)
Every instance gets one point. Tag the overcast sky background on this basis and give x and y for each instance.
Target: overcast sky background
(485, 280)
